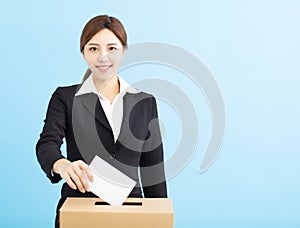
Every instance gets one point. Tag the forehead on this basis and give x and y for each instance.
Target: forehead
(104, 37)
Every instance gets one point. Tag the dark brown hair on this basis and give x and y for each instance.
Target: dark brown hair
(95, 25)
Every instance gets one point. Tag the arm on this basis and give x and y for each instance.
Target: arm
(152, 162)
(48, 146)
(48, 151)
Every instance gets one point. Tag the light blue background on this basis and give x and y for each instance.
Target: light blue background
(251, 47)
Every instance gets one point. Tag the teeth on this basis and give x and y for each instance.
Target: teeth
(103, 68)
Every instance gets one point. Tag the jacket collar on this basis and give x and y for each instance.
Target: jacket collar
(89, 98)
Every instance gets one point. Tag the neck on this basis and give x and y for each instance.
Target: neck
(102, 85)
(109, 88)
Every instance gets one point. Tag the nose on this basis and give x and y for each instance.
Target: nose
(103, 56)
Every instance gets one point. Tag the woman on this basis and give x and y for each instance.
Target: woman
(123, 121)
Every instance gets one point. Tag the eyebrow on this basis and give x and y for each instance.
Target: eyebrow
(95, 44)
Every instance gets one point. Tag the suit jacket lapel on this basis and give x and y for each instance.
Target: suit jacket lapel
(94, 107)
(129, 101)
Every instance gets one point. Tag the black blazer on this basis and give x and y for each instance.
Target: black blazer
(82, 118)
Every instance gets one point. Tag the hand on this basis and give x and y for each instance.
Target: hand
(73, 173)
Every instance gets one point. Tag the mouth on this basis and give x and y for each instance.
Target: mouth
(103, 68)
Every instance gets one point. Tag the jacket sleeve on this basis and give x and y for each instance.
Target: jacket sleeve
(50, 141)
(152, 171)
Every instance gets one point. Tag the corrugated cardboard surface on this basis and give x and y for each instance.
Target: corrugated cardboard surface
(83, 213)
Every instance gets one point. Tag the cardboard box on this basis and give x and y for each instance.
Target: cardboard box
(134, 213)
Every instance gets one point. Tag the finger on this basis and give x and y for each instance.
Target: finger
(77, 181)
(70, 182)
(87, 169)
(80, 174)
(89, 174)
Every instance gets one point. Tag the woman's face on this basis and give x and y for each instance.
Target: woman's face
(103, 54)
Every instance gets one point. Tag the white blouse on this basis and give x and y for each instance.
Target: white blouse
(114, 111)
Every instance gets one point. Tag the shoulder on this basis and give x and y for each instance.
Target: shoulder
(135, 93)
(140, 96)
(64, 94)
(67, 90)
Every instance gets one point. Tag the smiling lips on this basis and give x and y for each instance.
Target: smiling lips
(103, 68)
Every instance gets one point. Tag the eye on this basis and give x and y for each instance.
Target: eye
(93, 49)
(112, 48)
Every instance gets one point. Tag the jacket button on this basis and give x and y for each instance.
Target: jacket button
(112, 156)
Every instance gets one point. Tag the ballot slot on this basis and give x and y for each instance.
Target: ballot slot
(124, 204)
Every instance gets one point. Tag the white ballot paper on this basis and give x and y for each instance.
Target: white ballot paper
(110, 184)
